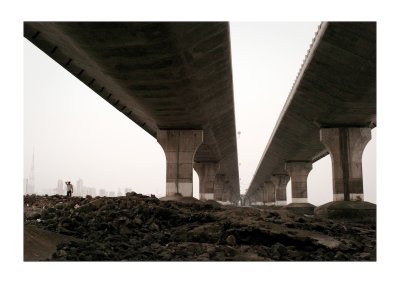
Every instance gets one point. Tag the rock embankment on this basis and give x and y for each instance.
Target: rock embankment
(141, 228)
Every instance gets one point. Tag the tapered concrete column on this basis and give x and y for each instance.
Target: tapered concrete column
(218, 186)
(242, 200)
(269, 189)
(280, 181)
(226, 192)
(298, 172)
(260, 196)
(346, 146)
(252, 200)
(206, 172)
(179, 148)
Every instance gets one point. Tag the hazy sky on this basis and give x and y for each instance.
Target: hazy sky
(76, 134)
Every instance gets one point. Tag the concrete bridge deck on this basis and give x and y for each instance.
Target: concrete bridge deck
(335, 88)
(162, 76)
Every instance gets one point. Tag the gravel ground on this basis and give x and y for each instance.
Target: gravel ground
(141, 228)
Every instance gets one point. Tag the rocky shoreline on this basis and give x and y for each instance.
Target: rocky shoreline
(141, 228)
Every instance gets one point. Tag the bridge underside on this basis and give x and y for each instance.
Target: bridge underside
(162, 76)
(336, 87)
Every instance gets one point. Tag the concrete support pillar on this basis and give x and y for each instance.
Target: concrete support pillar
(242, 200)
(298, 172)
(269, 189)
(346, 146)
(219, 186)
(226, 192)
(206, 172)
(280, 181)
(179, 148)
(259, 196)
(252, 200)
(255, 200)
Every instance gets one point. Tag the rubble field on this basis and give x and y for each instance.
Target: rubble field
(141, 228)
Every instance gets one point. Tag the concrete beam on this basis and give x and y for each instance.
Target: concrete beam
(207, 172)
(298, 172)
(179, 148)
(346, 146)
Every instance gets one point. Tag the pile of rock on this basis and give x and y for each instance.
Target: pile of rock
(141, 228)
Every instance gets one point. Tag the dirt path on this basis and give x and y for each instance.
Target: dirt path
(40, 244)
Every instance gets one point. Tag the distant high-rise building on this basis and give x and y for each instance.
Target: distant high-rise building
(84, 191)
(128, 190)
(111, 194)
(102, 193)
(60, 187)
(91, 192)
(79, 188)
(26, 184)
(32, 174)
(119, 192)
(29, 183)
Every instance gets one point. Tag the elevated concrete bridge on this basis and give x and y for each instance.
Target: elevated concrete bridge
(330, 110)
(172, 79)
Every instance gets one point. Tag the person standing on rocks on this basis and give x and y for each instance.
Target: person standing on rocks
(70, 189)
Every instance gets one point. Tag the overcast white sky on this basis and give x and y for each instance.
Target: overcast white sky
(76, 134)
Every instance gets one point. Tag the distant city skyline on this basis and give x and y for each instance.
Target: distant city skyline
(60, 188)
